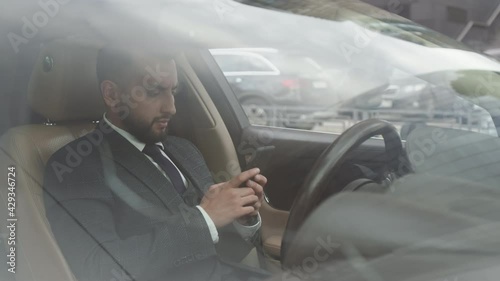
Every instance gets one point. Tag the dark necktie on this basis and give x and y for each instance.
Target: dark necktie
(173, 174)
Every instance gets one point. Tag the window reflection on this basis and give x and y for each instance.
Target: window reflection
(326, 75)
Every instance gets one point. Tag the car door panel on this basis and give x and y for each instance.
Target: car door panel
(273, 227)
(295, 154)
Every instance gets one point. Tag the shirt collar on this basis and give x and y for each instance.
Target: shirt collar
(128, 136)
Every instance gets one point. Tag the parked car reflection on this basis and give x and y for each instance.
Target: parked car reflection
(275, 87)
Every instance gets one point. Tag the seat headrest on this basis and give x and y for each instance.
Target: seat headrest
(63, 84)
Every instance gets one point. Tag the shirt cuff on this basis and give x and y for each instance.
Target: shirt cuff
(211, 226)
(248, 231)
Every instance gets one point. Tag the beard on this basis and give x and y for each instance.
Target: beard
(143, 130)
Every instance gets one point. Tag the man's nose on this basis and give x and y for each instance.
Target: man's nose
(168, 104)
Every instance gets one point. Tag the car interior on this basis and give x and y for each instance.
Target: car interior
(63, 102)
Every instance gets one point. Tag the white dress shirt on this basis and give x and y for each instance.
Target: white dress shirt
(245, 231)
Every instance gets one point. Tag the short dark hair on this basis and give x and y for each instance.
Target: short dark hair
(115, 63)
(112, 64)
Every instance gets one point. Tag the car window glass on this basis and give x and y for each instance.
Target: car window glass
(358, 64)
(241, 63)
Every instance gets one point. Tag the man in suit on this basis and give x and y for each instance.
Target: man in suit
(128, 202)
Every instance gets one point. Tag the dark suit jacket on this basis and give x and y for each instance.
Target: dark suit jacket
(113, 213)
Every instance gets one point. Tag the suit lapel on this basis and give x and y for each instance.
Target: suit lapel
(135, 162)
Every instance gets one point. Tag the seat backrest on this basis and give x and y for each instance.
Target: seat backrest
(63, 88)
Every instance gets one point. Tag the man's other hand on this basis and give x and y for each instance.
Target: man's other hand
(226, 202)
(257, 184)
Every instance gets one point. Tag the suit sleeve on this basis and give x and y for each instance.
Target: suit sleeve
(84, 228)
(233, 244)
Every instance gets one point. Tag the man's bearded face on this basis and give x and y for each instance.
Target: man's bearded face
(149, 101)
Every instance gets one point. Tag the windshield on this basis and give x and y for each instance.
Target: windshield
(359, 62)
(244, 140)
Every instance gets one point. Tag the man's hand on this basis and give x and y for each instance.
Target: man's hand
(227, 201)
(257, 184)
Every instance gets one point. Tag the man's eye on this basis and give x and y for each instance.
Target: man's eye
(153, 93)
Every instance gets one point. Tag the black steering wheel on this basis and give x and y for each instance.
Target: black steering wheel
(319, 182)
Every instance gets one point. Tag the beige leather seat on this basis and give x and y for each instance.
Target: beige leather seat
(63, 88)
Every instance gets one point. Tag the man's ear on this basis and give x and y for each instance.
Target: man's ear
(110, 93)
